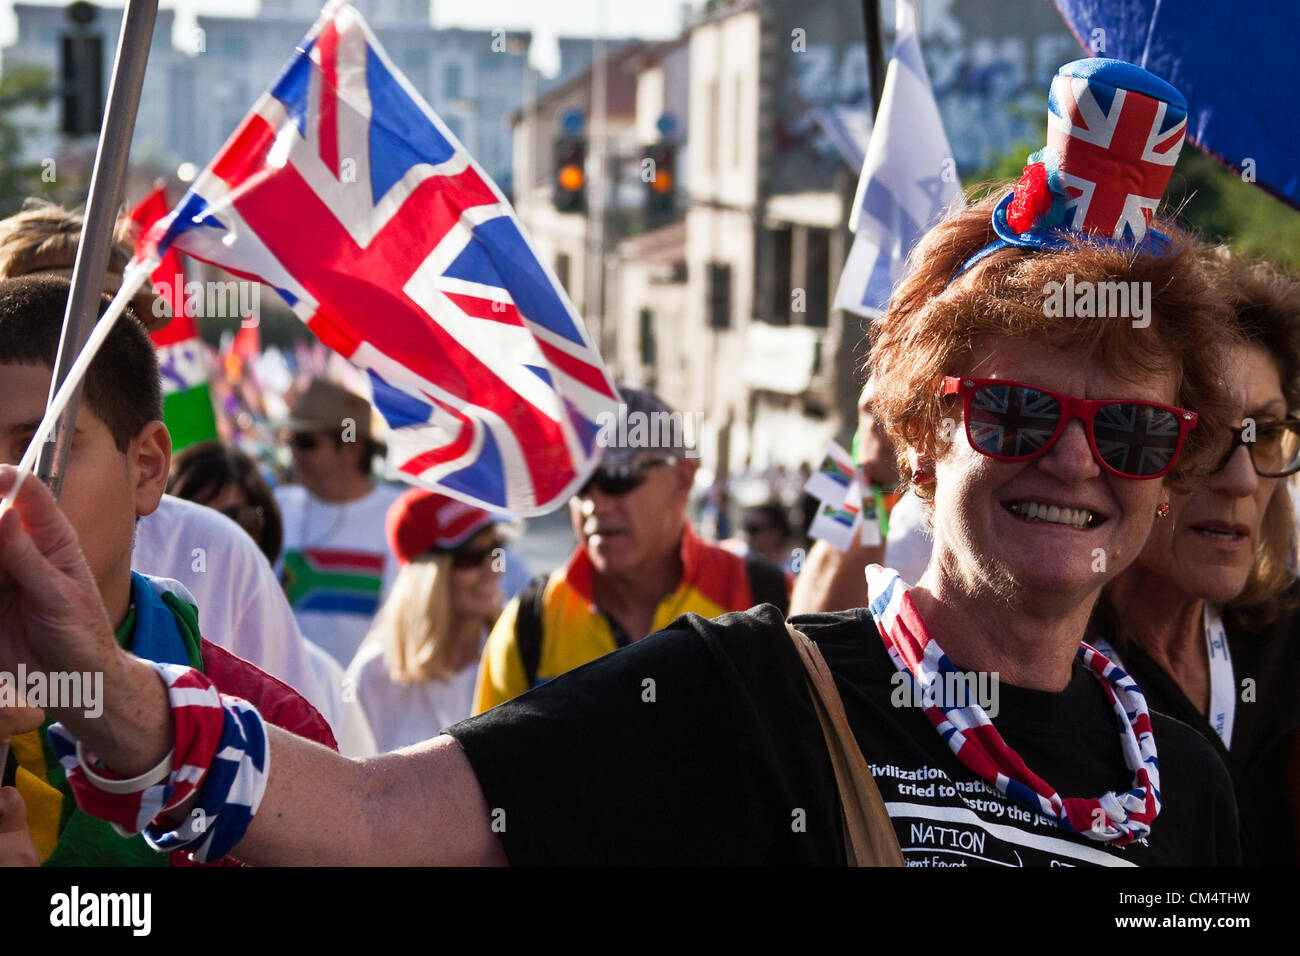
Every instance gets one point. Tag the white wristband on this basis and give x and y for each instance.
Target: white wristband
(135, 785)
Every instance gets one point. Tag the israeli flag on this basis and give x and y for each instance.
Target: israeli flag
(908, 182)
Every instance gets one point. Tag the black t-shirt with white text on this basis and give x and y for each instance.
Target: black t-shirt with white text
(699, 745)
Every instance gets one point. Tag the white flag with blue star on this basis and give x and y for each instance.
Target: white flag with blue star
(908, 182)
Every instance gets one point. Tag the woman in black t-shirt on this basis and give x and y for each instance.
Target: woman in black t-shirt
(1041, 371)
(1206, 618)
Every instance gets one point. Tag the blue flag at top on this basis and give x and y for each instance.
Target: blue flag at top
(1233, 64)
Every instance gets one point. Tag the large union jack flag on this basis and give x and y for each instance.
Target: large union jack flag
(345, 192)
(1117, 149)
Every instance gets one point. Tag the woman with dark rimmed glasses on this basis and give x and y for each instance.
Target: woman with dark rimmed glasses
(1205, 619)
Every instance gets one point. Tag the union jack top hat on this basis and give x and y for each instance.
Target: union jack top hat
(1114, 132)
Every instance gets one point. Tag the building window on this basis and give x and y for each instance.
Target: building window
(562, 269)
(719, 295)
(817, 270)
(451, 81)
(456, 124)
(738, 151)
(181, 92)
(647, 338)
(413, 11)
(234, 46)
(413, 62)
(780, 249)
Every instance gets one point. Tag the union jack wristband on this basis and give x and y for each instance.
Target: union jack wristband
(197, 724)
(220, 751)
(231, 793)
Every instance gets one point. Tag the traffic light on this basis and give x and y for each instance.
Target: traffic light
(570, 174)
(659, 173)
(81, 69)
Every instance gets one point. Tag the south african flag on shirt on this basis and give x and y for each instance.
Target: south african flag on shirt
(333, 580)
(336, 564)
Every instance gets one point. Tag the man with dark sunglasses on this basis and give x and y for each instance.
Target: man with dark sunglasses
(637, 567)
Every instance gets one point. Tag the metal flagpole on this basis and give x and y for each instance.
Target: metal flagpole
(107, 181)
(595, 274)
(875, 53)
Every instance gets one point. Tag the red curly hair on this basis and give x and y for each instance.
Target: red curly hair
(934, 321)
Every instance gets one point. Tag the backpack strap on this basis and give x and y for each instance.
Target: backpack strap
(528, 627)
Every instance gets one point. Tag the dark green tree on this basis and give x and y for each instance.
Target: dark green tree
(22, 85)
(1206, 196)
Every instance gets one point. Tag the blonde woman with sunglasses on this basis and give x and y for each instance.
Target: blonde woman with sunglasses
(414, 674)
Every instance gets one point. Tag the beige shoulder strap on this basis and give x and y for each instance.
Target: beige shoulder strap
(869, 838)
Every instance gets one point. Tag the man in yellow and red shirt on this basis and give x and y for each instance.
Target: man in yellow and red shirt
(637, 567)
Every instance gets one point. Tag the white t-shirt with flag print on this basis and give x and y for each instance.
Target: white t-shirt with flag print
(336, 567)
(241, 607)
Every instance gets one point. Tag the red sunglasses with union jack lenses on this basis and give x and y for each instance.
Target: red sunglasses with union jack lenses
(1012, 421)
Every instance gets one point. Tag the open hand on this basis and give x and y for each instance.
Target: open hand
(51, 615)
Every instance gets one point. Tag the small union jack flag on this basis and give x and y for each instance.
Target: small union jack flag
(1116, 131)
(346, 193)
(1136, 439)
(1020, 424)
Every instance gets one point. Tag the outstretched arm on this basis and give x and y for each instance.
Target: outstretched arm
(421, 805)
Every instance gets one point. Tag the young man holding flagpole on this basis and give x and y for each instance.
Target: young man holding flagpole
(388, 241)
(242, 607)
(116, 472)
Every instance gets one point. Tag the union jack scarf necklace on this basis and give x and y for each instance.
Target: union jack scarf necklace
(1117, 818)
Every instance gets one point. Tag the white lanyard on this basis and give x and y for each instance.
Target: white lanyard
(1223, 686)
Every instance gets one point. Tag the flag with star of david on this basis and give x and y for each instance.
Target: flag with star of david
(908, 181)
(347, 194)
